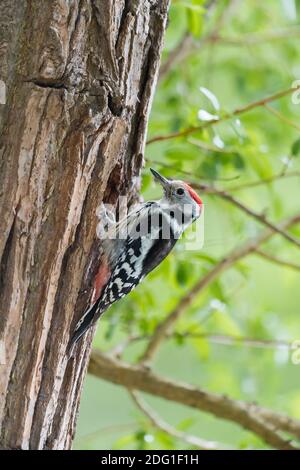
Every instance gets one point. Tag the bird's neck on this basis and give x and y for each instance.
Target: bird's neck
(179, 217)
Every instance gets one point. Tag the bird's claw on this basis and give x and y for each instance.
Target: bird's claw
(106, 219)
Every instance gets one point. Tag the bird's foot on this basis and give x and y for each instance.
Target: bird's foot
(106, 220)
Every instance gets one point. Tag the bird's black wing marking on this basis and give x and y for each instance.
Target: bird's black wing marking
(161, 246)
(157, 253)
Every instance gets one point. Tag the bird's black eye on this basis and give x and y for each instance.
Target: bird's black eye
(180, 191)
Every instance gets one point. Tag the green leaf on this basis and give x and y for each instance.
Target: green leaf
(185, 424)
(165, 440)
(124, 441)
(295, 149)
(195, 22)
(202, 347)
(179, 154)
(209, 169)
(183, 273)
(147, 181)
(179, 339)
(238, 161)
(194, 12)
(206, 257)
(261, 165)
(226, 324)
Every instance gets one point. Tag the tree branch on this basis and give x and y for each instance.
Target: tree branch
(237, 112)
(255, 215)
(176, 55)
(247, 415)
(188, 44)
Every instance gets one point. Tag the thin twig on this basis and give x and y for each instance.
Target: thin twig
(157, 422)
(176, 55)
(209, 147)
(261, 182)
(104, 431)
(188, 173)
(213, 190)
(279, 261)
(252, 39)
(282, 117)
(117, 351)
(256, 215)
(227, 340)
(237, 112)
(188, 45)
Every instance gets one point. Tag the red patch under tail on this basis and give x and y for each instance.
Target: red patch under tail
(100, 280)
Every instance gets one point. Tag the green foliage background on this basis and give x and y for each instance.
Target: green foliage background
(254, 298)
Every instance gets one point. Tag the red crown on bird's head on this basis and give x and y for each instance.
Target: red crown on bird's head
(194, 195)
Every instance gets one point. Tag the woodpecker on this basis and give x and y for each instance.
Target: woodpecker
(138, 243)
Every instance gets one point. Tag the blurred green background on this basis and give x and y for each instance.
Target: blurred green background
(241, 51)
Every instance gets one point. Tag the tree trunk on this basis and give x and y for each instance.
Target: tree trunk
(79, 76)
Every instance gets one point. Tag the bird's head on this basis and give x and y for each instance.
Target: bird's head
(180, 194)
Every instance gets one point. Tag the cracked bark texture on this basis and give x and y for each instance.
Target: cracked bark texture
(80, 76)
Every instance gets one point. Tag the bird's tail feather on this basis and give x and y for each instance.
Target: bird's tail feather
(84, 324)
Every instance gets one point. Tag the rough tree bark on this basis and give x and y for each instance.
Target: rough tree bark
(80, 76)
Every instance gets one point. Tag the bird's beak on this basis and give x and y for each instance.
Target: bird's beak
(161, 179)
